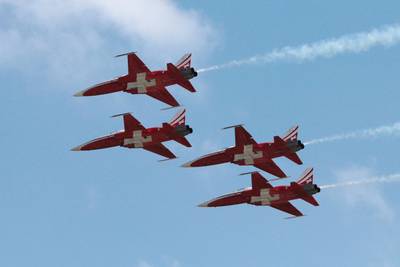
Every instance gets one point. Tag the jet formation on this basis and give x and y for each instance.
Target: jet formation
(245, 152)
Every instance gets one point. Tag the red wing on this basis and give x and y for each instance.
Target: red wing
(287, 207)
(160, 149)
(258, 181)
(271, 168)
(132, 124)
(242, 137)
(164, 96)
(136, 65)
(210, 159)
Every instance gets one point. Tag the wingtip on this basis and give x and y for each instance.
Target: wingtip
(232, 126)
(162, 160)
(125, 54)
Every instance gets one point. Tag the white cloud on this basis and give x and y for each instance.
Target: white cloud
(65, 38)
(366, 195)
(143, 263)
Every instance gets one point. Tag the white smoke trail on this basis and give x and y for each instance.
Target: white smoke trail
(353, 43)
(386, 130)
(381, 179)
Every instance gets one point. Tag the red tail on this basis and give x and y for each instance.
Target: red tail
(292, 134)
(184, 62)
(179, 118)
(307, 177)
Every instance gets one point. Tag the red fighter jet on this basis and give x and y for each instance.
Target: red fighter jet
(248, 152)
(135, 135)
(262, 193)
(140, 80)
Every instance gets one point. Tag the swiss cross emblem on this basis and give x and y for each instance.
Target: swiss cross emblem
(141, 83)
(248, 155)
(137, 139)
(265, 197)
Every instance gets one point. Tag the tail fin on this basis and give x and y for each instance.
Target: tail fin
(307, 177)
(179, 119)
(184, 62)
(292, 134)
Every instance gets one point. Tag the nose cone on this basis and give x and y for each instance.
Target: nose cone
(204, 205)
(77, 148)
(80, 93)
(187, 165)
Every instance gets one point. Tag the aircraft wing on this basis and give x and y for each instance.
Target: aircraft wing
(288, 208)
(242, 137)
(210, 159)
(271, 168)
(136, 65)
(130, 122)
(164, 96)
(160, 149)
(258, 181)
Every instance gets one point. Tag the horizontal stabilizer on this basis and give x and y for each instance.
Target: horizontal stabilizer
(294, 157)
(182, 140)
(310, 199)
(180, 79)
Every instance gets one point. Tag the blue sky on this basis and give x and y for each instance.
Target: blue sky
(121, 207)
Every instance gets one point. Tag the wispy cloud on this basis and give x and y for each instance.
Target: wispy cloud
(353, 43)
(369, 195)
(65, 38)
(385, 130)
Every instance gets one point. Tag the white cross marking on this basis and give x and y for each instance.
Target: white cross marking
(248, 155)
(137, 139)
(141, 83)
(265, 197)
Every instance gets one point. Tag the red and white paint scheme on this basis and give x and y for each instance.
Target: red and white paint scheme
(140, 80)
(135, 135)
(248, 152)
(262, 193)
